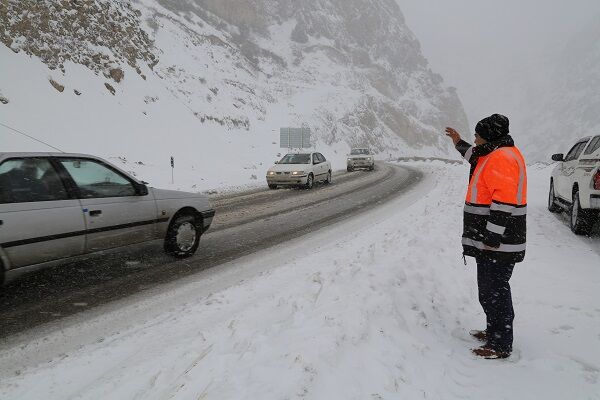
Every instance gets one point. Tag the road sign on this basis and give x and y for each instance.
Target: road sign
(294, 138)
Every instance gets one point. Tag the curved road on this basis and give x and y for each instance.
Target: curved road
(244, 223)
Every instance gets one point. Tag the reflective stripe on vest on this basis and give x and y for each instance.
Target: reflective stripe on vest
(521, 174)
(477, 210)
(495, 228)
(509, 209)
(504, 248)
(476, 181)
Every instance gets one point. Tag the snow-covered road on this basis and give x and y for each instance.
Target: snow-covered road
(377, 307)
(245, 223)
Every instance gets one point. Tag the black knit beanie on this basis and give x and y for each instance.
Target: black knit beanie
(493, 127)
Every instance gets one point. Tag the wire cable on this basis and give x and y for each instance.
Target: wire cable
(30, 137)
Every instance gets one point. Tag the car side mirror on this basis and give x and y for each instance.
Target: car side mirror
(141, 190)
(558, 157)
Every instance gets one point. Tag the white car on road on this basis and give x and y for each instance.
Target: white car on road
(360, 158)
(575, 184)
(299, 169)
(57, 206)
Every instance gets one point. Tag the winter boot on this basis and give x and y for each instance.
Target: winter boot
(489, 353)
(479, 335)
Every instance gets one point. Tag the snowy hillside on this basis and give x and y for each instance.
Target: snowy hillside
(211, 82)
(380, 309)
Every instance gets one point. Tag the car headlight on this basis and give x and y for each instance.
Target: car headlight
(349, 159)
(271, 173)
(298, 173)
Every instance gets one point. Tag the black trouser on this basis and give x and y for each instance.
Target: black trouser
(496, 300)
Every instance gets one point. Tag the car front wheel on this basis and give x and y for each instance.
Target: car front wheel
(310, 181)
(272, 187)
(581, 220)
(183, 236)
(552, 206)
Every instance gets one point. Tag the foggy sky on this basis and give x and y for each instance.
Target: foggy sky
(489, 49)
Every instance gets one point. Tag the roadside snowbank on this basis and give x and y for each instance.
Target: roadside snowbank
(374, 308)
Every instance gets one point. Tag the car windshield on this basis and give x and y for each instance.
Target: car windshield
(295, 159)
(355, 152)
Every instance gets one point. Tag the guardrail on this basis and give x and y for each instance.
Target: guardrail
(446, 160)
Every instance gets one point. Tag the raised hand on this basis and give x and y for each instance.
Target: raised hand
(453, 134)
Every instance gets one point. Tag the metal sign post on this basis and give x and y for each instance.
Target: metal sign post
(172, 169)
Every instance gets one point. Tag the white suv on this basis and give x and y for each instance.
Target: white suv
(360, 158)
(299, 169)
(575, 184)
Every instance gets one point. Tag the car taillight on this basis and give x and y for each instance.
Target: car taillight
(596, 180)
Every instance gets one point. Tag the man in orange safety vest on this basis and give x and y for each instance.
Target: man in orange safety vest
(494, 229)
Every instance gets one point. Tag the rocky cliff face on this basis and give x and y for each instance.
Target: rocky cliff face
(99, 35)
(349, 69)
(361, 49)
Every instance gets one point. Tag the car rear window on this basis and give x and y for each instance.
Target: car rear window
(26, 180)
(593, 146)
(576, 151)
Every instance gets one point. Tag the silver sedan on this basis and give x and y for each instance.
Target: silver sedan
(56, 206)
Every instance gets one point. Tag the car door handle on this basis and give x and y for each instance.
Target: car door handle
(94, 213)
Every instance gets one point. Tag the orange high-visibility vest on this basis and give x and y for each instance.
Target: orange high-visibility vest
(496, 207)
(501, 176)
